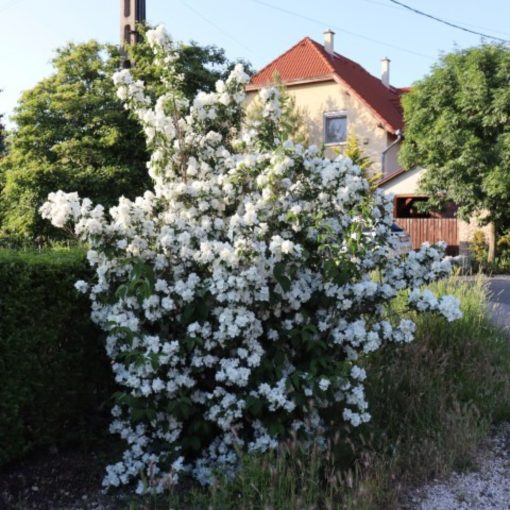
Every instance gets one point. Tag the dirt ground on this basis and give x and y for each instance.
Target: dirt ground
(59, 480)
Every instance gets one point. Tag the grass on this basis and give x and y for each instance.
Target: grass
(432, 403)
(44, 256)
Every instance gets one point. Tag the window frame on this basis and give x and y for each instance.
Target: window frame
(333, 115)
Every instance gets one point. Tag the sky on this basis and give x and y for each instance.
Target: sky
(257, 30)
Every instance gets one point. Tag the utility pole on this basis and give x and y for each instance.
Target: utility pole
(132, 12)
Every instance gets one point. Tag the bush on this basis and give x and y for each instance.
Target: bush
(240, 297)
(479, 250)
(432, 401)
(54, 375)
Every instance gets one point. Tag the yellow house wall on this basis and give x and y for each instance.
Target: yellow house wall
(316, 99)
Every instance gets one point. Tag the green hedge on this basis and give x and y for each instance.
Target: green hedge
(55, 379)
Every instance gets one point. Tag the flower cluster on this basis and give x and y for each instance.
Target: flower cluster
(239, 294)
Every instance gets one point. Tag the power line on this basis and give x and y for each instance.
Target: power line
(339, 29)
(450, 24)
(217, 27)
(398, 8)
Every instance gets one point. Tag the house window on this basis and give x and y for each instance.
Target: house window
(335, 128)
(127, 8)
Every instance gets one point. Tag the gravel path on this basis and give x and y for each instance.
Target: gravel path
(488, 488)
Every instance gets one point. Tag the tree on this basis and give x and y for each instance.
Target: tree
(457, 127)
(73, 132)
(2, 137)
(354, 152)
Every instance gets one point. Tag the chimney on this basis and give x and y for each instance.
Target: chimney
(385, 71)
(329, 41)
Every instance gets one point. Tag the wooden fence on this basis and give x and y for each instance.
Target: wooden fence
(431, 230)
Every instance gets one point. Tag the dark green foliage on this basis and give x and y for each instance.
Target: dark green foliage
(2, 134)
(72, 134)
(24, 191)
(54, 376)
(202, 66)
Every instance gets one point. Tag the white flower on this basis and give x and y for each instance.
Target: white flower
(81, 286)
(449, 306)
(324, 384)
(358, 373)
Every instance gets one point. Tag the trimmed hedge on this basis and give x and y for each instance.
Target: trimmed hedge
(54, 375)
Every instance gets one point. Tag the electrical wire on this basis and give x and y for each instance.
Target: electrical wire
(339, 29)
(398, 8)
(217, 27)
(448, 23)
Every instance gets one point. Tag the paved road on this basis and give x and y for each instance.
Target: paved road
(499, 297)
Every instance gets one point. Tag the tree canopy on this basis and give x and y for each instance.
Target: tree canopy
(457, 127)
(74, 134)
(71, 133)
(201, 66)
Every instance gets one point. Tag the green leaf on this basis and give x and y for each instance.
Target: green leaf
(280, 276)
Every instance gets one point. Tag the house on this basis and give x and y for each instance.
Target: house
(434, 226)
(338, 96)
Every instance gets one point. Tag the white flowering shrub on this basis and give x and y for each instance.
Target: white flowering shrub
(240, 293)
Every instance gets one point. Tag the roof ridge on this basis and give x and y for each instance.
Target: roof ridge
(319, 49)
(391, 89)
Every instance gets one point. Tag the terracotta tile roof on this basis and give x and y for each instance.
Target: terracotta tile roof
(309, 61)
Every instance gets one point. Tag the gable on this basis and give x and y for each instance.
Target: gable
(308, 61)
(403, 182)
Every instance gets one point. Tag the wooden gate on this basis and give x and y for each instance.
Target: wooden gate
(431, 230)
